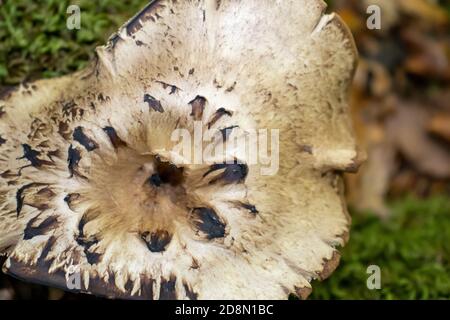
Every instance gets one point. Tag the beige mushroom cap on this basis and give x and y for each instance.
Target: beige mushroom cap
(90, 185)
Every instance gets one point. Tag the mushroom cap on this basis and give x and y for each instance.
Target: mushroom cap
(91, 185)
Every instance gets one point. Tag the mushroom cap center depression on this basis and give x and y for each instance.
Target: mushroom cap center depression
(141, 193)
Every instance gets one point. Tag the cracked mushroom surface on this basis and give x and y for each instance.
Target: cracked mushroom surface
(89, 180)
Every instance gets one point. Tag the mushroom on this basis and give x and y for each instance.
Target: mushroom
(91, 186)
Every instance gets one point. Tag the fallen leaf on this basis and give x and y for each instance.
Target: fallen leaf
(424, 9)
(440, 126)
(407, 129)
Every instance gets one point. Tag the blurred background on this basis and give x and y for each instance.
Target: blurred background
(400, 104)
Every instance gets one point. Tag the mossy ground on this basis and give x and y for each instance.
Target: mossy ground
(412, 248)
(35, 42)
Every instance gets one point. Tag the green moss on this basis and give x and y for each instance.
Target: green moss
(35, 41)
(412, 249)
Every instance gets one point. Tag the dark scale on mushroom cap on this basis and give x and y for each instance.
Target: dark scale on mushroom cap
(173, 89)
(148, 13)
(219, 114)
(73, 159)
(209, 223)
(226, 132)
(63, 130)
(91, 257)
(45, 226)
(32, 156)
(146, 287)
(198, 106)
(168, 173)
(189, 292)
(167, 291)
(8, 174)
(84, 140)
(233, 173)
(102, 98)
(155, 180)
(250, 208)
(157, 241)
(20, 195)
(153, 103)
(113, 40)
(114, 138)
(87, 242)
(41, 262)
(70, 199)
(2, 141)
(68, 106)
